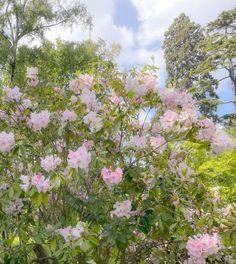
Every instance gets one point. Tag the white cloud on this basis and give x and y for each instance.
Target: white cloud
(154, 17)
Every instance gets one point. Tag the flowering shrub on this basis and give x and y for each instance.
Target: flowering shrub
(101, 171)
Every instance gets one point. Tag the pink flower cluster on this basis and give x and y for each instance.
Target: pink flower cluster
(173, 99)
(7, 141)
(138, 142)
(158, 143)
(122, 209)
(140, 84)
(32, 75)
(79, 158)
(41, 184)
(168, 120)
(12, 94)
(201, 246)
(93, 121)
(89, 99)
(50, 163)
(84, 81)
(112, 177)
(221, 142)
(39, 120)
(114, 99)
(69, 115)
(71, 233)
(207, 129)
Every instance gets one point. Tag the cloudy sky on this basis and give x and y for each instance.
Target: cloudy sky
(139, 25)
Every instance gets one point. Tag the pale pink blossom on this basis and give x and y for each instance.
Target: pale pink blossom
(73, 99)
(138, 142)
(122, 209)
(39, 181)
(89, 99)
(69, 115)
(26, 103)
(88, 144)
(201, 246)
(79, 158)
(7, 141)
(25, 182)
(158, 143)
(71, 233)
(60, 144)
(74, 86)
(39, 120)
(221, 141)
(184, 171)
(173, 99)
(12, 94)
(114, 99)
(207, 129)
(168, 120)
(93, 121)
(50, 163)
(112, 177)
(85, 81)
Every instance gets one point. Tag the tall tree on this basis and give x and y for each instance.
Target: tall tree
(21, 19)
(183, 55)
(220, 47)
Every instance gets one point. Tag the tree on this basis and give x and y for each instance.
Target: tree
(219, 46)
(27, 19)
(59, 61)
(182, 56)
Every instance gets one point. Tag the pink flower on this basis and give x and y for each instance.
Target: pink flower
(74, 86)
(25, 182)
(32, 75)
(207, 129)
(39, 120)
(73, 99)
(68, 115)
(202, 246)
(138, 142)
(40, 182)
(85, 81)
(60, 144)
(71, 233)
(88, 144)
(89, 99)
(114, 99)
(176, 98)
(168, 120)
(221, 142)
(94, 121)
(79, 158)
(32, 72)
(7, 141)
(12, 94)
(112, 177)
(122, 209)
(26, 103)
(158, 143)
(50, 163)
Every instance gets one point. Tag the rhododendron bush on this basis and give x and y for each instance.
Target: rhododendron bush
(103, 171)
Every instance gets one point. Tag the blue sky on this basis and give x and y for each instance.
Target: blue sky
(139, 26)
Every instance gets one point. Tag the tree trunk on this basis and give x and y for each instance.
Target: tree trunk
(232, 75)
(41, 254)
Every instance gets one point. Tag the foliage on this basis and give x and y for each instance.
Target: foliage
(220, 49)
(183, 37)
(27, 19)
(84, 180)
